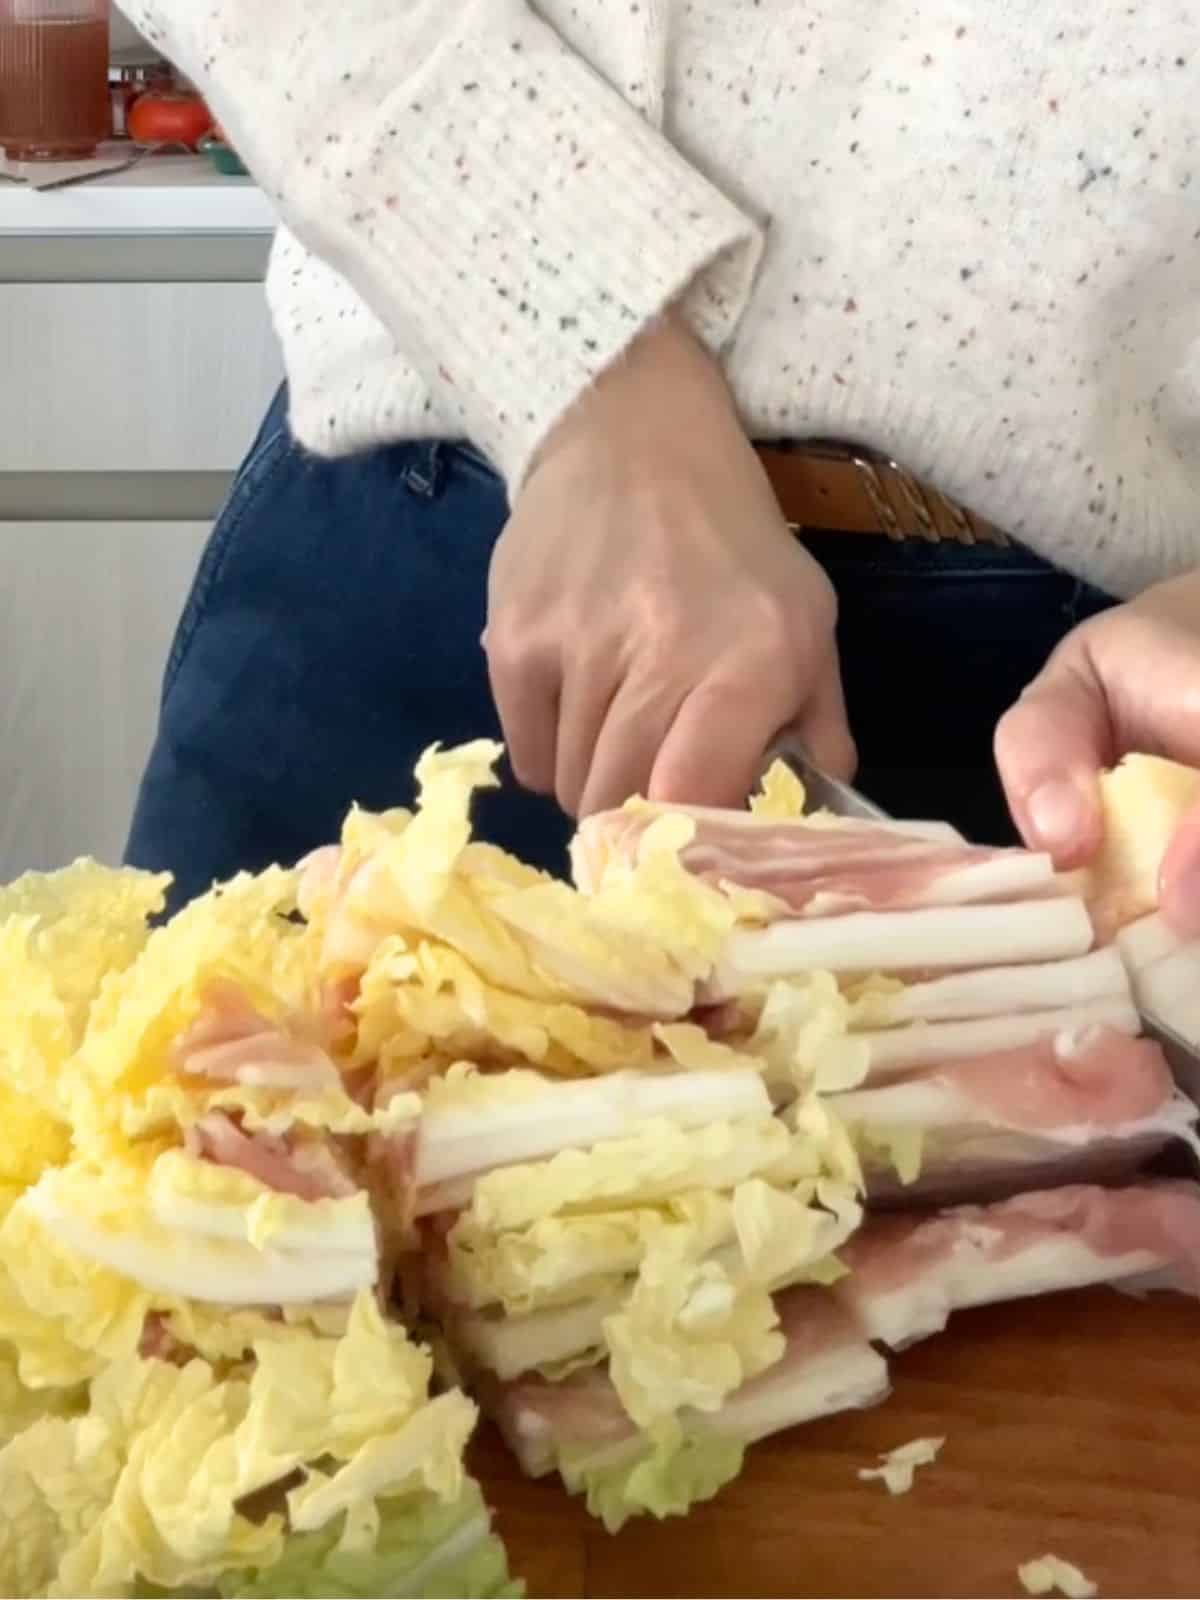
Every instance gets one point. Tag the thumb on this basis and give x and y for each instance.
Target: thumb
(1050, 749)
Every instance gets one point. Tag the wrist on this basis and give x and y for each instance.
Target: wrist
(665, 382)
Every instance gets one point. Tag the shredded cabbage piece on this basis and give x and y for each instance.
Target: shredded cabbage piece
(557, 1257)
(148, 1488)
(423, 1547)
(902, 1148)
(87, 921)
(802, 1037)
(664, 1476)
(122, 1081)
(897, 1468)
(781, 796)
(689, 1335)
(658, 1161)
(1048, 1573)
(422, 998)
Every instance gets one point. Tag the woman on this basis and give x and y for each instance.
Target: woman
(571, 260)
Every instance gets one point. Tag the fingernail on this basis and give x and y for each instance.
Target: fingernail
(1057, 813)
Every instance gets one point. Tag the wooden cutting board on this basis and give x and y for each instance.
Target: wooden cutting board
(1072, 1426)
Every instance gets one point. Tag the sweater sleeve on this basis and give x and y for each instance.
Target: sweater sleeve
(500, 207)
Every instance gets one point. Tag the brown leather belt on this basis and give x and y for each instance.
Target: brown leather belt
(832, 487)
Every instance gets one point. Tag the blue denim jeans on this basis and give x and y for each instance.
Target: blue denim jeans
(333, 631)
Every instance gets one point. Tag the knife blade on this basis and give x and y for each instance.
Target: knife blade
(822, 791)
(827, 793)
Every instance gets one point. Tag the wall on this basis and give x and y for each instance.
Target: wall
(124, 34)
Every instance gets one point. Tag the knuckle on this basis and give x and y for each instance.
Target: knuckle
(653, 601)
(662, 636)
(772, 623)
(512, 651)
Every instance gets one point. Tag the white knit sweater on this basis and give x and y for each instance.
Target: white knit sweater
(961, 231)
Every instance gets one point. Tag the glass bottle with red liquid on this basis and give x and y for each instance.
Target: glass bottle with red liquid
(54, 99)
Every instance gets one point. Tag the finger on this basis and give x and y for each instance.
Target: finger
(1050, 749)
(1179, 878)
(526, 692)
(713, 749)
(627, 746)
(823, 728)
(1149, 665)
(587, 696)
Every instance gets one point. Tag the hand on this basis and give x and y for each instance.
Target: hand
(652, 623)
(1128, 680)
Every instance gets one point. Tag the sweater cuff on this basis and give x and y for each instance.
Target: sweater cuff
(516, 224)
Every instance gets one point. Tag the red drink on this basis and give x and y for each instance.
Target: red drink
(54, 100)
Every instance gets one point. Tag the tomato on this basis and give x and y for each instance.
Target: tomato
(164, 116)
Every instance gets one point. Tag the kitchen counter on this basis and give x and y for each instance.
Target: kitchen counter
(169, 195)
(1071, 1427)
(169, 219)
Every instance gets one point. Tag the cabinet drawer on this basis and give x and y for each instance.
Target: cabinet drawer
(124, 377)
(87, 614)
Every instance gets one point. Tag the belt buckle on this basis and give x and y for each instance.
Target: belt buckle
(868, 470)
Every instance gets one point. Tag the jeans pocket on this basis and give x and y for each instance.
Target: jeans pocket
(271, 450)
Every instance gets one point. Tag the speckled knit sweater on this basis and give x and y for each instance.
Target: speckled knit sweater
(963, 232)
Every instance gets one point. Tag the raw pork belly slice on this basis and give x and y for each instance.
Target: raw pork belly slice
(824, 866)
(828, 1366)
(907, 1275)
(311, 1169)
(1093, 1105)
(231, 1042)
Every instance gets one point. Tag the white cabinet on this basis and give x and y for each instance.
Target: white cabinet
(133, 377)
(128, 405)
(87, 612)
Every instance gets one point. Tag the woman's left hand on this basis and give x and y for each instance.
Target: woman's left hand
(1128, 680)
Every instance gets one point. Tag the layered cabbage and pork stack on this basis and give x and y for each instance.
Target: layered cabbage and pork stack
(649, 1166)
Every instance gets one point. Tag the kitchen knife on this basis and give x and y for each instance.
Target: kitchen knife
(827, 793)
(822, 791)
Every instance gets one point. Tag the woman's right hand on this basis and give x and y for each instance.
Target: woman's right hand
(652, 622)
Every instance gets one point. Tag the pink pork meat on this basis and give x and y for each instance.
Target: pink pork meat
(826, 867)
(232, 1042)
(310, 1169)
(1088, 1106)
(907, 1275)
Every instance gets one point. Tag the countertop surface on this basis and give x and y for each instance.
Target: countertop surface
(1072, 1427)
(161, 196)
